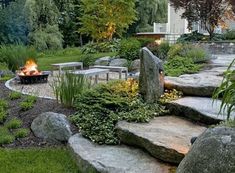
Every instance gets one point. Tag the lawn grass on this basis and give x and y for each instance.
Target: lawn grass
(65, 55)
(35, 160)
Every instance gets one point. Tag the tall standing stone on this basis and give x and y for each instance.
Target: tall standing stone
(151, 81)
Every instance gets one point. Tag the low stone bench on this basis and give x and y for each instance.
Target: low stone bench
(92, 72)
(60, 66)
(120, 70)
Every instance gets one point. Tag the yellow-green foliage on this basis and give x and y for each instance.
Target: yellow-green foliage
(114, 17)
(127, 88)
(100, 108)
(170, 95)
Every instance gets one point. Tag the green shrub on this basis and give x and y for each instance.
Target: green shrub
(3, 116)
(129, 49)
(191, 37)
(67, 86)
(161, 50)
(5, 136)
(100, 108)
(3, 104)
(227, 90)
(24, 106)
(88, 59)
(13, 123)
(101, 47)
(15, 56)
(175, 50)
(180, 65)
(21, 133)
(145, 41)
(14, 95)
(229, 35)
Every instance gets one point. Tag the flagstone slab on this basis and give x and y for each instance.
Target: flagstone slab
(221, 60)
(113, 159)
(201, 84)
(200, 109)
(166, 138)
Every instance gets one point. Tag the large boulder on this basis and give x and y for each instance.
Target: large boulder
(151, 80)
(135, 65)
(119, 62)
(103, 61)
(212, 152)
(52, 127)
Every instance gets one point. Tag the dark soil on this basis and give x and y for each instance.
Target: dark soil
(41, 105)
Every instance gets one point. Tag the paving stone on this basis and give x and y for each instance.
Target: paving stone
(199, 109)
(166, 138)
(113, 159)
(202, 84)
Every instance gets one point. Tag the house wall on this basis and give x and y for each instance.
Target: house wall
(177, 25)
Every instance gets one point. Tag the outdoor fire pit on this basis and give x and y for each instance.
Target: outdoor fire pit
(30, 75)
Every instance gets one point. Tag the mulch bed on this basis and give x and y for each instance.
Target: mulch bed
(41, 106)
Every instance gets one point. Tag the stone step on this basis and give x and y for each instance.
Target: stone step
(166, 138)
(113, 159)
(201, 84)
(199, 109)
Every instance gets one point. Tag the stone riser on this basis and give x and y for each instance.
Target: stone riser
(166, 138)
(93, 158)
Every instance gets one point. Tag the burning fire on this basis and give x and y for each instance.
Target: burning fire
(30, 69)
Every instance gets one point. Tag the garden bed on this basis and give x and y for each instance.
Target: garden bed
(40, 106)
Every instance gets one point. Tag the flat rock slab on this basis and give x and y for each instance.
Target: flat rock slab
(221, 60)
(199, 109)
(166, 138)
(113, 159)
(218, 71)
(201, 84)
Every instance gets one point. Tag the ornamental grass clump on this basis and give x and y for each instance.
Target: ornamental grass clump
(14, 95)
(67, 86)
(227, 91)
(100, 108)
(28, 103)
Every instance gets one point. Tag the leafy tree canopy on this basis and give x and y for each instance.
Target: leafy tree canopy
(101, 19)
(13, 24)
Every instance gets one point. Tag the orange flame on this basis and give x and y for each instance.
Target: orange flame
(30, 69)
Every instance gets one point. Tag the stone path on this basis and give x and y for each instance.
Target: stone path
(113, 159)
(200, 109)
(204, 82)
(166, 138)
(194, 84)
